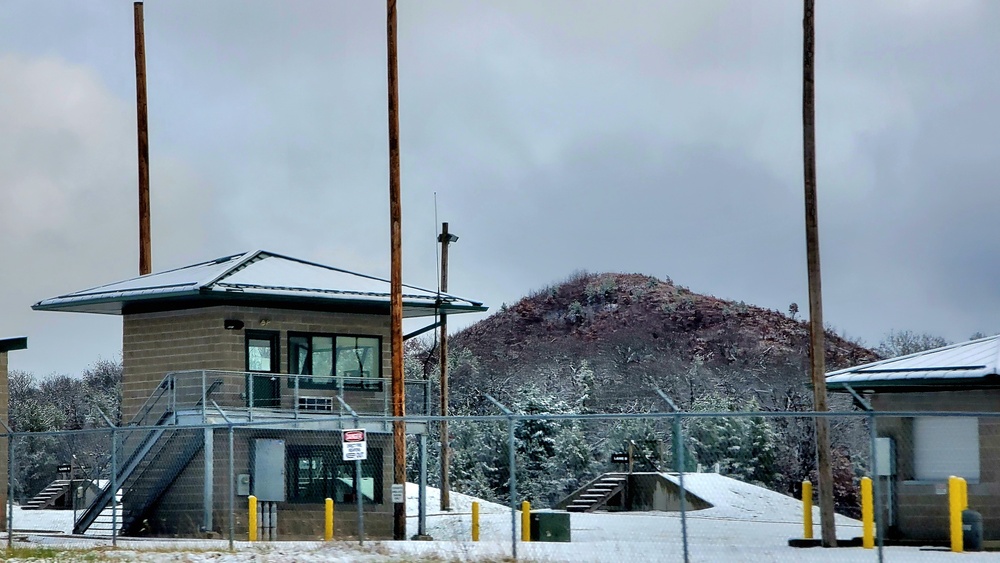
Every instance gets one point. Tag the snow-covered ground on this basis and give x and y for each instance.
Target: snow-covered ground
(746, 523)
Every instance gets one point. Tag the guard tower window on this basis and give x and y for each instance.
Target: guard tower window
(333, 360)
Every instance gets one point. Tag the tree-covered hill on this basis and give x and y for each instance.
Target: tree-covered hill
(635, 333)
(603, 343)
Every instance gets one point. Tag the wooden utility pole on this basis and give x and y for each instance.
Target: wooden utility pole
(816, 342)
(145, 253)
(445, 238)
(396, 281)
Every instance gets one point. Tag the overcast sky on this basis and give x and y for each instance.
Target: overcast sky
(659, 137)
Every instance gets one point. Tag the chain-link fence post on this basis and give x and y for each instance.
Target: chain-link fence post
(679, 449)
(872, 464)
(876, 485)
(232, 490)
(114, 486)
(513, 484)
(10, 491)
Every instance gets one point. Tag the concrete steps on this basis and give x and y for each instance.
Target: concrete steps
(48, 495)
(598, 493)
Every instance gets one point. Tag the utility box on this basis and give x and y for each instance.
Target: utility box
(550, 526)
(885, 454)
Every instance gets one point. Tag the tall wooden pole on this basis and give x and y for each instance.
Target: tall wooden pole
(396, 280)
(145, 253)
(445, 239)
(816, 341)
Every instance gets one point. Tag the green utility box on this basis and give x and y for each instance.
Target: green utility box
(550, 526)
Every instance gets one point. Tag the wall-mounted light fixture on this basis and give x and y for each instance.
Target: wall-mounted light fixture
(264, 322)
(232, 324)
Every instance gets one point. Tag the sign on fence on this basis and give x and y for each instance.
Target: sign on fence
(354, 445)
(619, 457)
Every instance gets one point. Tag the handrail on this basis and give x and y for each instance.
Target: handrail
(232, 391)
(643, 456)
(165, 384)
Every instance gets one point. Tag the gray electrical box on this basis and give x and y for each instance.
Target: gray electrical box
(269, 470)
(885, 457)
(243, 484)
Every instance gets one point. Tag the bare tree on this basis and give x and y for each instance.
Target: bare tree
(906, 342)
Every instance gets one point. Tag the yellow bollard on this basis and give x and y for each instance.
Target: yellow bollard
(955, 508)
(475, 521)
(525, 521)
(867, 514)
(328, 531)
(252, 500)
(807, 510)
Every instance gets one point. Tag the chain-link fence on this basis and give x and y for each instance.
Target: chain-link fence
(681, 486)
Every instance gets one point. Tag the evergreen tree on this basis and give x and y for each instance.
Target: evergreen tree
(743, 447)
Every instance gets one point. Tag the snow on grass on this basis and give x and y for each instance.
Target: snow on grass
(57, 521)
(456, 524)
(746, 523)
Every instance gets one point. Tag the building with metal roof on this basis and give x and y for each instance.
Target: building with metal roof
(290, 352)
(938, 414)
(256, 277)
(6, 345)
(966, 365)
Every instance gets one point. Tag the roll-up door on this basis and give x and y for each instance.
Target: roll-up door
(945, 446)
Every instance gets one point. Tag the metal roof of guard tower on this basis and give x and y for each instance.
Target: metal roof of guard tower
(256, 277)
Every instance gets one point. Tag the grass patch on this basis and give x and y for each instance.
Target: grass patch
(49, 554)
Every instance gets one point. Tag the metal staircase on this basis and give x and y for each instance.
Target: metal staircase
(597, 494)
(148, 458)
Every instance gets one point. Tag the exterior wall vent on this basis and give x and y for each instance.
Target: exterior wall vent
(320, 404)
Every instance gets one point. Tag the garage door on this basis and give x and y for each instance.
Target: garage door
(945, 446)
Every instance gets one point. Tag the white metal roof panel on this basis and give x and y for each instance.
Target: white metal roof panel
(256, 273)
(975, 359)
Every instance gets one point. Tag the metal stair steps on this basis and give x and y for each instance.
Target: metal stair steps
(43, 499)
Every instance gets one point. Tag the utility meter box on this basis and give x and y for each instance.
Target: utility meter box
(885, 457)
(550, 526)
(269, 470)
(243, 484)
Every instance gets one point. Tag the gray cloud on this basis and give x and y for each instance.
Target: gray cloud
(655, 137)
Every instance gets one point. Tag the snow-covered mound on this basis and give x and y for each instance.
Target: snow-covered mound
(735, 500)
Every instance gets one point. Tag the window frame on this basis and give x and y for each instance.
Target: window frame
(335, 380)
(331, 457)
(274, 337)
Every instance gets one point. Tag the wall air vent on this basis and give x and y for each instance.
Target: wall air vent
(316, 404)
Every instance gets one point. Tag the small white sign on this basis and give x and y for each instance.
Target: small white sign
(398, 493)
(355, 446)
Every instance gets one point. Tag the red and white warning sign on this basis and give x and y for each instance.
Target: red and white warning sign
(355, 446)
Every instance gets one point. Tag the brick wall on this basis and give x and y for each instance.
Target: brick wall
(922, 512)
(157, 343)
